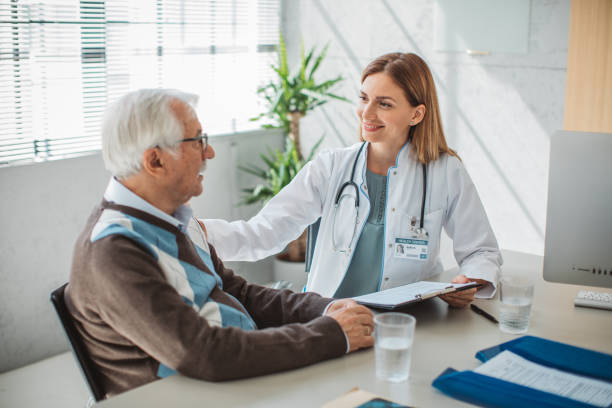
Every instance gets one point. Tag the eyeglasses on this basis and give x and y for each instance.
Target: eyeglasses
(202, 139)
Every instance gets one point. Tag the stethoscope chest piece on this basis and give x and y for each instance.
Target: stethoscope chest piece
(421, 233)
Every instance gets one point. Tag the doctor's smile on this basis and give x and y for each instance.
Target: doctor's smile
(371, 128)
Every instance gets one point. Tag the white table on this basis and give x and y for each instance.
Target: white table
(50, 383)
(444, 338)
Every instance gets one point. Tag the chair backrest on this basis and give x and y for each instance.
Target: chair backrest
(311, 240)
(76, 344)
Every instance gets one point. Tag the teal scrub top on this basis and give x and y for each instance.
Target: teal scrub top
(363, 274)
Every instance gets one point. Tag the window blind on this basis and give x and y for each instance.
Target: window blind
(63, 61)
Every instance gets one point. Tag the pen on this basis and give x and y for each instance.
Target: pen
(483, 313)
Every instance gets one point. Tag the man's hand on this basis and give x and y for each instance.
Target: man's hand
(356, 320)
(464, 297)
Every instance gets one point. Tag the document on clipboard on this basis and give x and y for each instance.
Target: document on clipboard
(401, 296)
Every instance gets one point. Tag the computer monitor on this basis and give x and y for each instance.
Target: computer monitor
(578, 243)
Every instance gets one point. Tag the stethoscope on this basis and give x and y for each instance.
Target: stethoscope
(351, 183)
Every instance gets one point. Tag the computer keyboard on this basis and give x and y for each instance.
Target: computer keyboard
(599, 300)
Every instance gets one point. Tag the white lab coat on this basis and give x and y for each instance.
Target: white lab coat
(452, 202)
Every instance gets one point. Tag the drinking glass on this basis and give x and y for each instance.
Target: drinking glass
(516, 296)
(394, 333)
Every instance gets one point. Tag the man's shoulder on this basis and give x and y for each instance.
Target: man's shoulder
(113, 221)
(110, 241)
(103, 226)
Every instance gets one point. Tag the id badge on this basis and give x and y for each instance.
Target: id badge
(414, 247)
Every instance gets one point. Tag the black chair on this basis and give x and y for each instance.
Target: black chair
(311, 240)
(76, 344)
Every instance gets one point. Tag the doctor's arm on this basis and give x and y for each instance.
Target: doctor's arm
(474, 243)
(283, 219)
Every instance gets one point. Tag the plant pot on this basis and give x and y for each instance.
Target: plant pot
(296, 249)
(294, 272)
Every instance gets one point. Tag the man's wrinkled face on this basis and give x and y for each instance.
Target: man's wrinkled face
(186, 168)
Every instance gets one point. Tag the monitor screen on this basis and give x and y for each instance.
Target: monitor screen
(578, 243)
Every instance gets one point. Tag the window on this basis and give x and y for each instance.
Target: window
(62, 61)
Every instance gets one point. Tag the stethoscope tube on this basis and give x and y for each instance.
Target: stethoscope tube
(424, 167)
(352, 183)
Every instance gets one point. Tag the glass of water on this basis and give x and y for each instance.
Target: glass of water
(394, 333)
(516, 295)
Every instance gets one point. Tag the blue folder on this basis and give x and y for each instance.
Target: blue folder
(491, 392)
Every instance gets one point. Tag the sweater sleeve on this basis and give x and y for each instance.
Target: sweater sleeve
(270, 307)
(132, 296)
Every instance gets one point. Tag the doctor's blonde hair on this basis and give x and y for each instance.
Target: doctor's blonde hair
(412, 74)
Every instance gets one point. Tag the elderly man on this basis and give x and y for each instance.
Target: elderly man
(151, 296)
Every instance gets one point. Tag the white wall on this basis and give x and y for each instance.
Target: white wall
(498, 111)
(43, 209)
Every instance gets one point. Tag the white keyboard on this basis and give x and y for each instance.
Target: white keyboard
(599, 300)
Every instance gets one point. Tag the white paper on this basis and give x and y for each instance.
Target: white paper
(513, 368)
(406, 293)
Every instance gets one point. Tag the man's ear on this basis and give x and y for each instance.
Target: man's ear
(153, 162)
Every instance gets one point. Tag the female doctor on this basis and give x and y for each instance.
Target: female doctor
(382, 202)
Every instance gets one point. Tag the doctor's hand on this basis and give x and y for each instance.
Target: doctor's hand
(357, 322)
(464, 297)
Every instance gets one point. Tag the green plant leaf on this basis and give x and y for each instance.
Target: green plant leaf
(282, 57)
(324, 86)
(285, 94)
(268, 161)
(258, 117)
(306, 62)
(340, 98)
(318, 61)
(314, 148)
(252, 169)
(282, 168)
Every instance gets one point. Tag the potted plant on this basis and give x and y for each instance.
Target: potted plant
(282, 168)
(288, 98)
(291, 96)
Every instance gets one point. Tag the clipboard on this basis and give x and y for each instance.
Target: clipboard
(402, 296)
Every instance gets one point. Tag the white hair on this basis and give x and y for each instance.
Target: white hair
(138, 121)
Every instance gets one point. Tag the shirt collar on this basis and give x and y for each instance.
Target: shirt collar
(119, 194)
